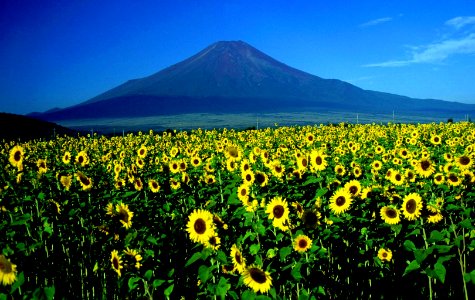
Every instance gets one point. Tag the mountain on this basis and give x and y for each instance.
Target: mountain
(234, 77)
(14, 127)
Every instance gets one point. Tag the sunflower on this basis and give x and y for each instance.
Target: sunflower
(385, 254)
(239, 261)
(138, 184)
(299, 208)
(119, 183)
(175, 184)
(424, 167)
(439, 178)
(257, 279)
(357, 171)
(261, 178)
(125, 215)
(434, 214)
(153, 185)
(302, 163)
(311, 218)
(436, 139)
(110, 209)
(411, 207)
(66, 157)
(195, 161)
(142, 152)
(17, 154)
(174, 166)
(213, 243)
(82, 158)
(209, 179)
(8, 271)
(278, 211)
(397, 178)
(340, 201)
(453, 179)
(464, 162)
(200, 226)
(65, 181)
(277, 169)
(376, 165)
(233, 152)
(85, 182)
(243, 193)
(353, 187)
(134, 254)
(390, 215)
(302, 243)
(248, 177)
(116, 261)
(231, 165)
(340, 170)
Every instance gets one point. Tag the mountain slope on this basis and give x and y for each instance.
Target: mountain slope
(234, 77)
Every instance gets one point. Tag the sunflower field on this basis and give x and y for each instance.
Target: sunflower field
(307, 212)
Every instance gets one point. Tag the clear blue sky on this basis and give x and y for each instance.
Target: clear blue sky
(57, 53)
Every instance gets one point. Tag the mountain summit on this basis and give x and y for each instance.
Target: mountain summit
(232, 77)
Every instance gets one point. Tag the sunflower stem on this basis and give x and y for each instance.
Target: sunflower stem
(461, 253)
(427, 247)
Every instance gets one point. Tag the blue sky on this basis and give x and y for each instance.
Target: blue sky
(63, 52)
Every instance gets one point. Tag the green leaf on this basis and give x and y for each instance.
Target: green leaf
(414, 232)
(254, 248)
(435, 236)
(296, 272)
(158, 282)
(3, 296)
(193, 258)
(152, 240)
(321, 192)
(203, 273)
(284, 251)
(409, 245)
(19, 281)
(248, 295)
(440, 271)
(148, 274)
(472, 276)
(169, 290)
(466, 277)
(466, 223)
(222, 287)
(133, 283)
(49, 292)
(414, 265)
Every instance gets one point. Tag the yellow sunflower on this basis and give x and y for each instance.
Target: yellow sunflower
(261, 178)
(16, 157)
(340, 201)
(340, 170)
(353, 187)
(239, 261)
(248, 177)
(453, 180)
(213, 243)
(153, 185)
(243, 193)
(8, 271)
(424, 167)
(200, 226)
(278, 211)
(302, 243)
(116, 262)
(66, 181)
(85, 181)
(412, 206)
(385, 255)
(257, 279)
(82, 158)
(397, 178)
(311, 218)
(125, 215)
(142, 152)
(439, 178)
(390, 215)
(464, 162)
(66, 158)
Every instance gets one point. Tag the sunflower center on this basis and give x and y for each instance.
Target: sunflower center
(411, 206)
(115, 262)
(438, 178)
(391, 213)
(233, 152)
(385, 254)
(353, 190)
(303, 243)
(17, 156)
(453, 178)
(81, 159)
(155, 185)
(278, 169)
(84, 180)
(238, 258)
(319, 161)
(340, 201)
(124, 216)
(425, 164)
(260, 178)
(200, 226)
(243, 192)
(278, 211)
(398, 177)
(248, 177)
(464, 160)
(258, 275)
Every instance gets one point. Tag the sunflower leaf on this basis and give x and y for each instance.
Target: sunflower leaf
(203, 273)
(440, 271)
(472, 276)
(414, 265)
(169, 290)
(254, 249)
(296, 272)
(435, 236)
(284, 251)
(193, 258)
(133, 283)
(409, 245)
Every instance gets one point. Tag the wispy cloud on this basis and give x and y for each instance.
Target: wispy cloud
(439, 51)
(459, 22)
(376, 22)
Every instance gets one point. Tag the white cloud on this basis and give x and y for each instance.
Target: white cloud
(438, 52)
(376, 22)
(459, 22)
